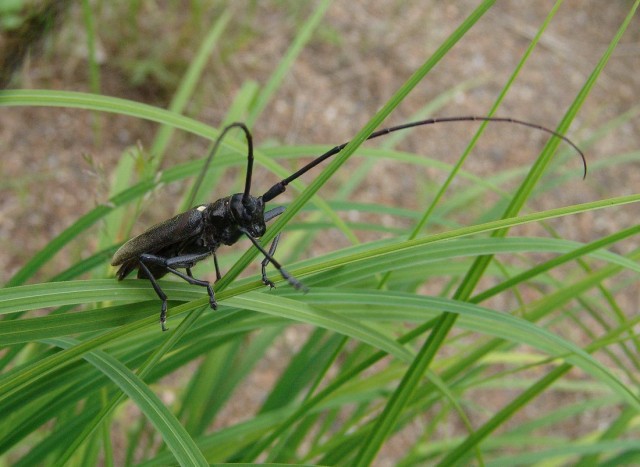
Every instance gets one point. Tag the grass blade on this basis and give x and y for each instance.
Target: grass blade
(178, 440)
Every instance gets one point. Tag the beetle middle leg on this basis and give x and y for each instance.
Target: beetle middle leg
(271, 214)
(215, 263)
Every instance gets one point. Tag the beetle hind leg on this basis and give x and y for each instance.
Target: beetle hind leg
(159, 292)
(169, 265)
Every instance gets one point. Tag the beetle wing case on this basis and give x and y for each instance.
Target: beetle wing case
(173, 231)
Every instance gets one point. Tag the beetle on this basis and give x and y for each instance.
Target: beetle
(189, 237)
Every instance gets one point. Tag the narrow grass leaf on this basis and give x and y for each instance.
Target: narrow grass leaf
(301, 39)
(188, 84)
(173, 433)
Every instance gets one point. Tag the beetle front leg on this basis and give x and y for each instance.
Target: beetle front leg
(269, 215)
(288, 277)
(265, 262)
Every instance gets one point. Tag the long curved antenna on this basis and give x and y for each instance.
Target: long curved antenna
(214, 150)
(280, 187)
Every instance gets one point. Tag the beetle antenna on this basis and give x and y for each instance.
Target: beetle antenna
(280, 187)
(247, 182)
(214, 150)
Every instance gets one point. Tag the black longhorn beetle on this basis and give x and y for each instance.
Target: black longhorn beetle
(190, 237)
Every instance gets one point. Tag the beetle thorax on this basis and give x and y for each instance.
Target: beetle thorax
(228, 217)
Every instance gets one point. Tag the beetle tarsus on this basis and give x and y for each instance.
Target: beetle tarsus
(266, 261)
(295, 283)
(163, 315)
(212, 298)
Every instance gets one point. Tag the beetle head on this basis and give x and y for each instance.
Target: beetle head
(248, 212)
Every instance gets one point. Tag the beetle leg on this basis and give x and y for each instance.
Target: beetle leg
(182, 261)
(289, 278)
(215, 263)
(275, 212)
(271, 214)
(265, 262)
(185, 261)
(201, 283)
(159, 292)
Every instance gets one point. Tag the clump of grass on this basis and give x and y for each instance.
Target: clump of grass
(377, 316)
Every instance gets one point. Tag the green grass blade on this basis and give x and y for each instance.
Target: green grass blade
(396, 404)
(110, 405)
(551, 264)
(477, 270)
(201, 398)
(94, 69)
(241, 363)
(286, 62)
(392, 410)
(80, 100)
(283, 307)
(483, 125)
(174, 435)
(188, 84)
